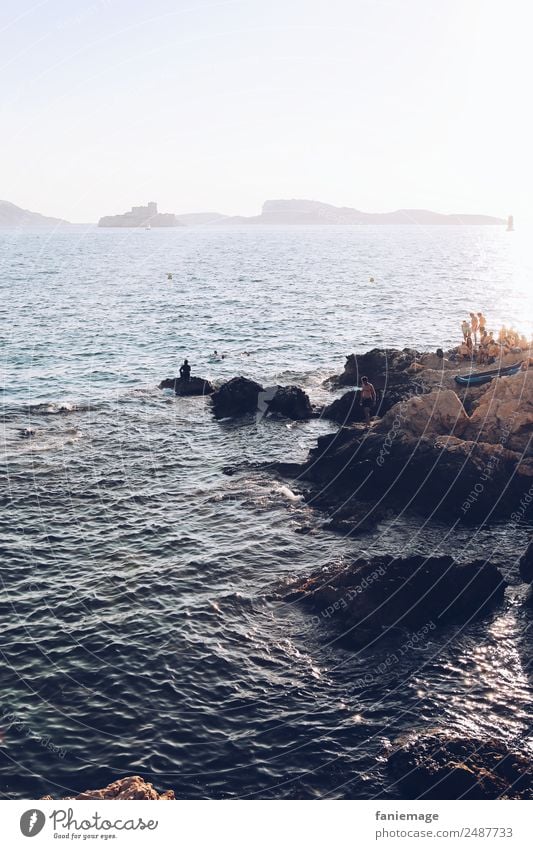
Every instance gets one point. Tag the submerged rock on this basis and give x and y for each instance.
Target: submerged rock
(236, 397)
(371, 599)
(132, 787)
(193, 386)
(443, 765)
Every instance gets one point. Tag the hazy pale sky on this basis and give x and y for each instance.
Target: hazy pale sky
(377, 104)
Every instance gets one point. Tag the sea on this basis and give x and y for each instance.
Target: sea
(142, 630)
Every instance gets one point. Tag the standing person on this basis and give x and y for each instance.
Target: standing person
(185, 371)
(367, 398)
(465, 327)
(482, 323)
(474, 324)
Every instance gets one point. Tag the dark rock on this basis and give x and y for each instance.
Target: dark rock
(448, 476)
(240, 396)
(425, 452)
(526, 564)
(379, 365)
(372, 599)
(237, 397)
(393, 374)
(289, 401)
(444, 765)
(345, 409)
(193, 386)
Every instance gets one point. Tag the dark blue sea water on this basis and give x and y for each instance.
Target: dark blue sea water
(139, 633)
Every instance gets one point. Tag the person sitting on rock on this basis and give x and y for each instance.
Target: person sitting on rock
(483, 347)
(185, 371)
(367, 398)
(494, 349)
(464, 350)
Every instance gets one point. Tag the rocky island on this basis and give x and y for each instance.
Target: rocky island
(141, 216)
(301, 212)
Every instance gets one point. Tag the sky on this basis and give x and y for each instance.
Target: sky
(217, 106)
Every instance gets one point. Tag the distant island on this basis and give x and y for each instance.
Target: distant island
(141, 216)
(291, 212)
(14, 216)
(274, 212)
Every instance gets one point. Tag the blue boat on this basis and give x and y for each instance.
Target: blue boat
(478, 378)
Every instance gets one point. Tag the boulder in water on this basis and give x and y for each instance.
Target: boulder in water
(240, 396)
(443, 765)
(132, 787)
(370, 599)
(289, 401)
(193, 386)
(236, 397)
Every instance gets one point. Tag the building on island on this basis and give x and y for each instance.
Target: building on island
(141, 216)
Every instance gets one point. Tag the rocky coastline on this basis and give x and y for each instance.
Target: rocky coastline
(460, 453)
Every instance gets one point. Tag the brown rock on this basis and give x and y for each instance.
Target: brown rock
(504, 413)
(440, 413)
(131, 787)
